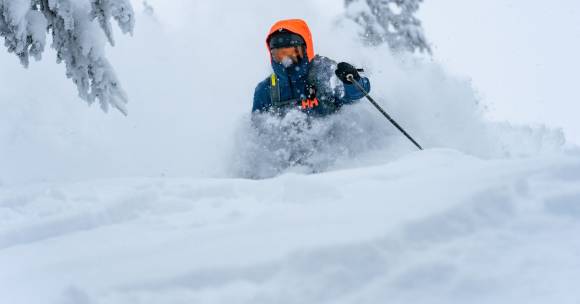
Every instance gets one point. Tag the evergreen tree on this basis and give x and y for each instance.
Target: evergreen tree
(389, 21)
(76, 27)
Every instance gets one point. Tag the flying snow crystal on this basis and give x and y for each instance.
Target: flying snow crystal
(389, 21)
(75, 38)
(287, 62)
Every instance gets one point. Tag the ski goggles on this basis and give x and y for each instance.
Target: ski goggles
(293, 52)
(285, 38)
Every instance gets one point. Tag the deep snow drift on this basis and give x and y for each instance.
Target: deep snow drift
(152, 208)
(433, 227)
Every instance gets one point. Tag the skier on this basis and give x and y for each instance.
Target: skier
(302, 80)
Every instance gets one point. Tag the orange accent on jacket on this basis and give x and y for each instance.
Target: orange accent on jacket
(296, 26)
(309, 103)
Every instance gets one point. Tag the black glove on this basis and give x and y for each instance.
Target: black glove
(344, 69)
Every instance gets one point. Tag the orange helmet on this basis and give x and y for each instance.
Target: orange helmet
(296, 26)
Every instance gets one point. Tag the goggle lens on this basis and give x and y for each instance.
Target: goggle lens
(291, 52)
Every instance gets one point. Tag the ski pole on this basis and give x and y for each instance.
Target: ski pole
(350, 78)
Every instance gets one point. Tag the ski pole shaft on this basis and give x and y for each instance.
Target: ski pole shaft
(362, 89)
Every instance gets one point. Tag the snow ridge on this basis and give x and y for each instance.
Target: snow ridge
(359, 235)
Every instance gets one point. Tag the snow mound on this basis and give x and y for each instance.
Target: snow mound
(351, 236)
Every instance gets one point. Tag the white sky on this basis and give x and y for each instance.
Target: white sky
(521, 55)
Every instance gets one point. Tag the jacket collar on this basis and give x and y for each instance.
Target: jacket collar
(296, 72)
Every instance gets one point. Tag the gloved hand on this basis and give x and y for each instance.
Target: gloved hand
(344, 69)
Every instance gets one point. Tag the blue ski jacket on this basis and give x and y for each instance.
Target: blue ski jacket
(292, 82)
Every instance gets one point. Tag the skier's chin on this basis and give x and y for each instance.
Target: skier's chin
(287, 62)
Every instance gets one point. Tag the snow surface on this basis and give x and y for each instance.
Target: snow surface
(152, 208)
(433, 227)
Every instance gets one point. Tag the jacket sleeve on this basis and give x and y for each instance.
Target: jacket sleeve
(262, 97)
(352, 93)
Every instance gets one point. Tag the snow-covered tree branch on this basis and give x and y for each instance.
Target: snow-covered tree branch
(389, 21)
(77, 28)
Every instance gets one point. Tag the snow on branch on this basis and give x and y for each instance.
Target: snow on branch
(389, 21)
(120, 10)
(76, 37)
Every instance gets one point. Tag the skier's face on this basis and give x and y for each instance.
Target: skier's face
(287, 56)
